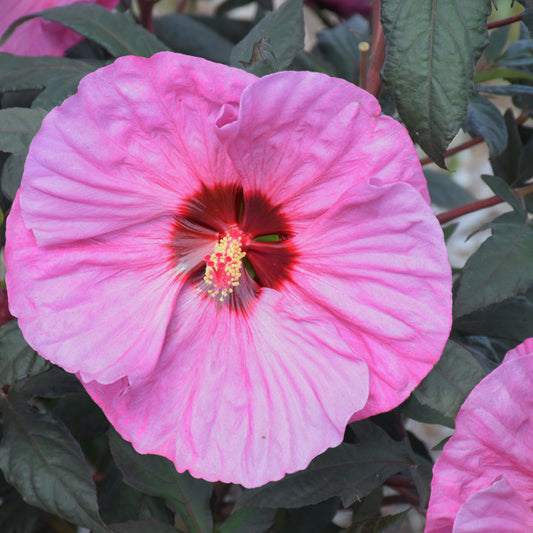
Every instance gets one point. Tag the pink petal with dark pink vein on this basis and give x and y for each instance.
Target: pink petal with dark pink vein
(493, 438)
(241, 398)
(303, 139)
(373, 265)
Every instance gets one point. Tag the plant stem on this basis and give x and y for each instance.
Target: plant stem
(524, 115)
(377, 51)
(145, 7)
(504, 22)
(400, 481)
(452, 151)
(443, 218)
(406, 497)
(363, 61)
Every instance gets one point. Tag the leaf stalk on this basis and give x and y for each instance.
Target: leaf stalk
(377, 51)
(448, 216)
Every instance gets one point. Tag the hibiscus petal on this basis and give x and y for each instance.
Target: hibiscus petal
(376, 264)
(491, 439)
(304, 138)
(39, 37)
(496, 508)
(241, 397)
(100, 306)
(135, 141)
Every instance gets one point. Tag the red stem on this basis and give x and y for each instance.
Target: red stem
(524, 115)
(400, 481)
(443, 218)
(452, 151)
(504, 22)
(412, 498)
(146, 7)
(377, 51)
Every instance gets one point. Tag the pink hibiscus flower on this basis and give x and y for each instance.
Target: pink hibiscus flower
(235, 267)
(39, 37)
(483, 481)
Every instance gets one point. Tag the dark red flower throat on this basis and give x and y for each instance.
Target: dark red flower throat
(232, 242)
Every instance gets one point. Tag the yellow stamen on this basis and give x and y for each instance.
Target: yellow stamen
(224, 266)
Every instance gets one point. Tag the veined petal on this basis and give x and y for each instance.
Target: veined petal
(39, 37)
(376, 264)
(497, 508)
(135, 141)
(249, 396)
(99, 307)
(492, 439)
(303, 139)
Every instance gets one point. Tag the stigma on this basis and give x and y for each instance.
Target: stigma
(224, 266)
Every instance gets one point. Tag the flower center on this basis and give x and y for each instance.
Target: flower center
(224, 266)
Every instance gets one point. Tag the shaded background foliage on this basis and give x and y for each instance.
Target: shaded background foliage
(63, 466)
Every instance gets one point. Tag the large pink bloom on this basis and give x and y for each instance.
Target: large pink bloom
(39, 37)
(483, 481)
(135, 184)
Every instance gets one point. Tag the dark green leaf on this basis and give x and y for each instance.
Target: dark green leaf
(284, 28)
(495, 272)
(143, 526)
(518, 54)
(17, 359)
(12, 174)
(525, 162)
(310, 518)
(16, 516)
(422, 475)
(376, 525)
(231, 29)
(263, 60)
(483, 118)
(444, 191)
(119, 502)
(338, 47)
(506, 90)
(369, 506)
(349, 471)
(423, 413)
(82, 416)
(502, 73)
(503, 191)
(54, 383)
(449, 230)
(432, 48)
(58, 76)
(157, 476)
(450, 381)
(184, 34)
(505, 164)
(116, 32)
(510, 319)
(18, 126)
(497, 42)
(527, 19)
(41, 459)
(249, 519)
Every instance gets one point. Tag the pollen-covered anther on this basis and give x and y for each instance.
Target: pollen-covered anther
(224, 266)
